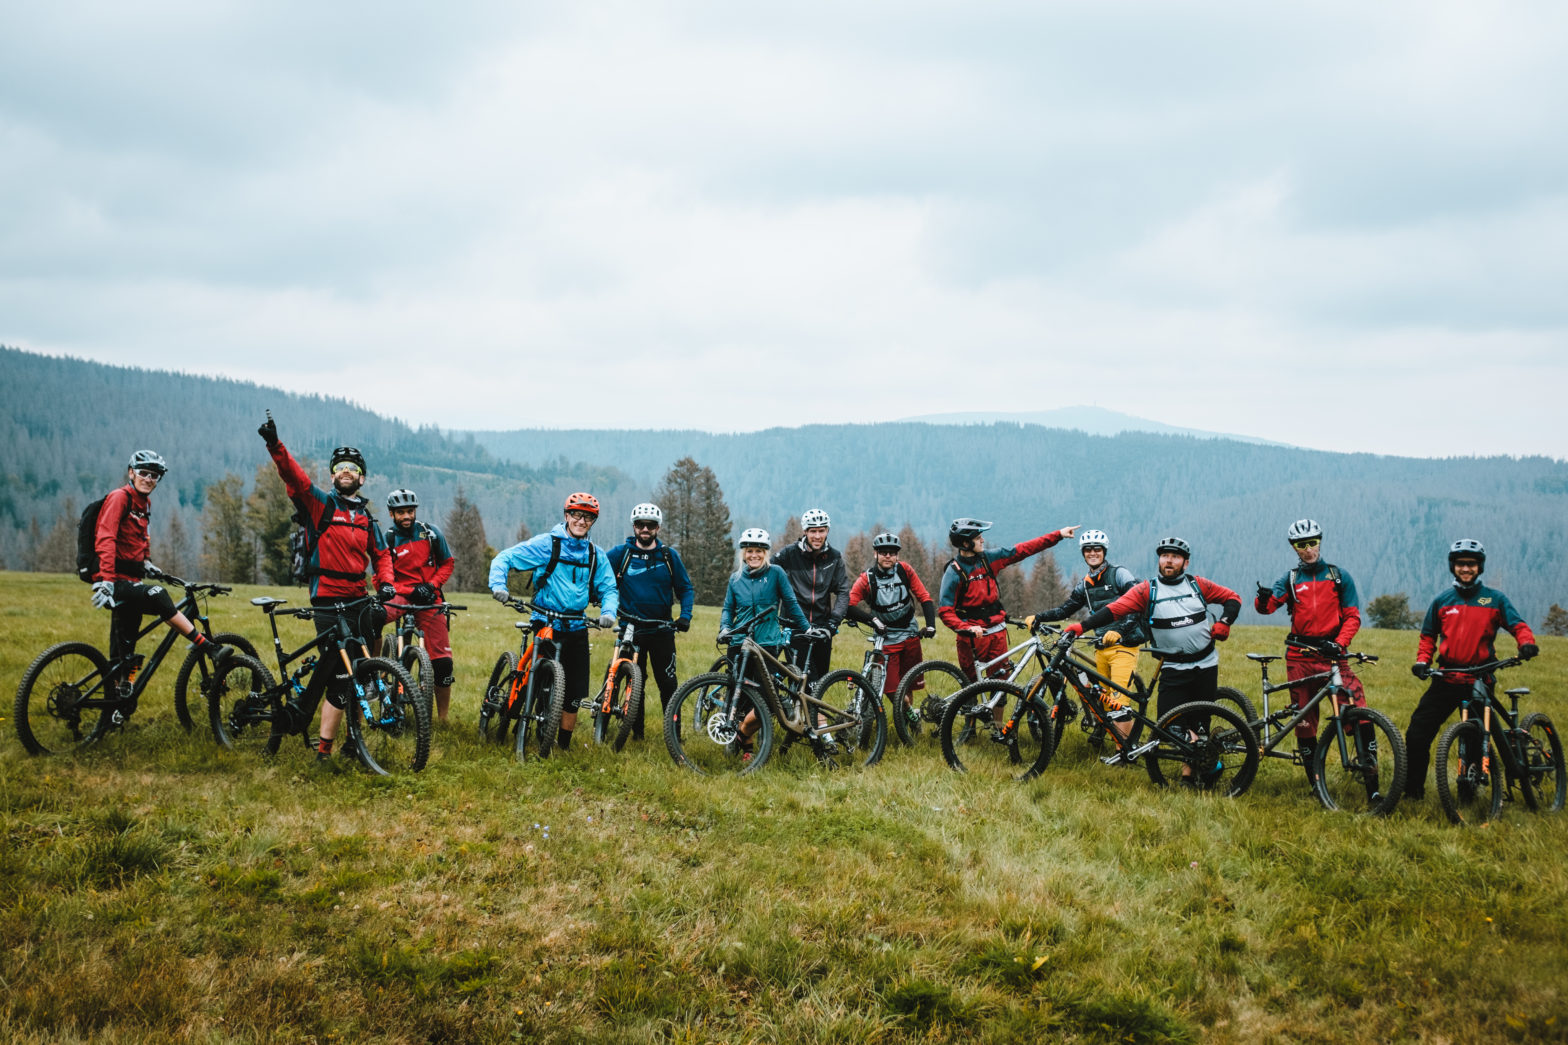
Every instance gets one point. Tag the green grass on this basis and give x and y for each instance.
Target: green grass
(156, 888)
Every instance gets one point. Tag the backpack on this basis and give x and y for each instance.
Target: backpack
(903, 571)
(1154, 588)
(87, 546)
(542, 574)
(1333, 576)
(963, 585)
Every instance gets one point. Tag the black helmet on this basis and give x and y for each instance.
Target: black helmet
(1174, 544)
(1467, 548)
(149, 460)
(965, 530)
(402, 499)
(885, 540)
(347, 453)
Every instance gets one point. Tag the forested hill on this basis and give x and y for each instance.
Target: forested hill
(68, 426)
(1389, 519)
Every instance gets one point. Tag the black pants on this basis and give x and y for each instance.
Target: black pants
(1440, 701)
(812, 656)
(656, 658)
(131, 602)
(1180, 686)
(571, 648)
(329, 677)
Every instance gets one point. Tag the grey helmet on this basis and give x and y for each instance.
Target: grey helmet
(150, 460)
(965, 530)
(1467, 548)
(1304, 530)
(402, 499)
(885, 540)
(1174, 544)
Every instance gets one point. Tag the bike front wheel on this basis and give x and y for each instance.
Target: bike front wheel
(416, 662)
(923, 694)
(1469, 785)
(853, 700)
(626, 694)
(1370, 778)
(197, 663)
(48, 712)
(1546, 784)
(1017, 748)
(1205, 746)
(541, 715)
(388, 719)
(245, 708)
(701, 726)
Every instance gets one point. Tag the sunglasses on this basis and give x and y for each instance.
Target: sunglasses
(580, 516)
(147, 473)
(347, 466)
(644, 525)
(1311, 542)
(886, 551)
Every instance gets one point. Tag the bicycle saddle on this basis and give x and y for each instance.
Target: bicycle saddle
(267, 601)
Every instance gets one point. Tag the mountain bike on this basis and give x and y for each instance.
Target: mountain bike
(526, 694)
(841, 717)
(873, 669)
(1469, 779)
(1203, 745)
(410, 648)
(1370, 777)
(939, 680)
(385, 718)
(72, 694)
(619, 703)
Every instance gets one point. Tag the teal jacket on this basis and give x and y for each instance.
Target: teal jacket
(763, 596)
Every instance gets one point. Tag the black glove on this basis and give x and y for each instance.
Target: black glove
(269, 431)
(818, 634)
(877, 626)
(1421, 670)
(424, 594)
(684, 624)
(1331, 649)
(1264, 593)
(385, 593)
(928, 632)
(1528, 651)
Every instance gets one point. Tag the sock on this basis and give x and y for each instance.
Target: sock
(563, 739)
(325, 747)
(199, 640)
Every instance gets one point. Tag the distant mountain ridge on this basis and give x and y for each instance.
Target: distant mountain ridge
(1091, 420)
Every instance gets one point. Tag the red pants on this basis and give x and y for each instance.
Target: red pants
(1300, 665)
(901, 656)
(973, 649)
(438, 641)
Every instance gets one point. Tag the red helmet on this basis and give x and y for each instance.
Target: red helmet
(583, 502)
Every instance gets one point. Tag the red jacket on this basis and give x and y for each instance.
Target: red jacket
(122, 534)
(349, 540)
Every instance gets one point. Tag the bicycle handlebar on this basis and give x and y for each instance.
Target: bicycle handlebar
(524, 606)
(445, 606)
(195, 586)
(1476, 669)
(1355, 655)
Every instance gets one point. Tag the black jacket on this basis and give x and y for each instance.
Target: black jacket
(820, 581)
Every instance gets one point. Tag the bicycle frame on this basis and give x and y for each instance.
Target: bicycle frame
(1274, 727)
(340, 637)
(1513, 762)
(140, 668)
(626, 651)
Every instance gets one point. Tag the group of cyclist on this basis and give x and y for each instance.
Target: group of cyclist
(808, 588)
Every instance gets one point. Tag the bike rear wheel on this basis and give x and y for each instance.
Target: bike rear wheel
(924, 690)
(1468, 791)
(245, 707)
(540, 719)
(1213, 750)
(852, 696)
(492, 709)
(388, 718)
(1373, 779)
(1546, 784)
(48, 712)
(973, 742)
(700, 728)
(198, 663)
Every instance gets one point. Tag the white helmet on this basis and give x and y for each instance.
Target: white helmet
(647, 513)
(1094, 539)
(1303, 530)
(756, 535)
(814, 517)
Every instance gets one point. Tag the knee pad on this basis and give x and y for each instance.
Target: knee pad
(441, 667)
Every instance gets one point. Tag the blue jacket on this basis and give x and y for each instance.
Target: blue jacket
(567, 589)
(752, 597)
(649, 581)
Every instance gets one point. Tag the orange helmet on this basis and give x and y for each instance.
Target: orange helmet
(583, 502)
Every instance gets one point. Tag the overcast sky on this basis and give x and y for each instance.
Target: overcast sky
(1342, 225)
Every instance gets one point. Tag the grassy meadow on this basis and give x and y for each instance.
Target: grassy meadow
(157, 888)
